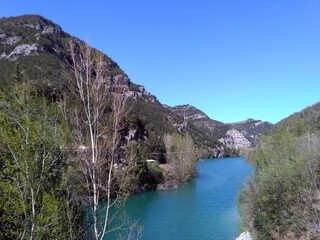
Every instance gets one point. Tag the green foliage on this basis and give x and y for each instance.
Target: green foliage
(143, 176)
(32, 167)
(280, 200)
(180, 151)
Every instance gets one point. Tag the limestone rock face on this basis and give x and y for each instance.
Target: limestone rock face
(33, 31)
(22, 50)
(141, 92)
(198, 118)
(235, 139)
(51, 29)
(251, 128)
(9, 40)
(239, 135)
(4, 39)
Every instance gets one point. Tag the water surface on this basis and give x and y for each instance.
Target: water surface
(201, 209)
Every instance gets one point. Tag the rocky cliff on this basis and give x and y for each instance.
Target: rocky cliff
(239, 135)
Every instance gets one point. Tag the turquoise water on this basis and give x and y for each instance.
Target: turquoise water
(201, 209)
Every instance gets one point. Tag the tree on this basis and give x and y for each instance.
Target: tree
(96, 126)
(280, 200)
(181, 156)
(31, 167)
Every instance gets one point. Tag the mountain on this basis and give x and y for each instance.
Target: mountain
(198, 118)
(239, 135)
(36, 49)
(252, 128)
(39, 50)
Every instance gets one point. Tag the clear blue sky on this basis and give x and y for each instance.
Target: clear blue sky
(233, 59)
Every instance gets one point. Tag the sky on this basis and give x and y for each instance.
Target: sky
(232, 59)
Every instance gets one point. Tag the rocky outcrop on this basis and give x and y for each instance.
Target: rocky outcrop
(244, 236)
(131, 134)
(45, 27)
(51, 29)
(197, 118)
(14, 30)
(235, 139)
(140, 92)
(252, 128)
(22, 50)
(242, 134)
(4, 39)
(239, 135)
(35, 32)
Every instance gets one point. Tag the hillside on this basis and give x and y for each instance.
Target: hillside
(308, 120)
(75, 130)
(37, 49)
(238, 135)
(281, 200)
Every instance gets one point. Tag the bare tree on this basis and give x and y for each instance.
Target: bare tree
(96, 125)
(180, 154)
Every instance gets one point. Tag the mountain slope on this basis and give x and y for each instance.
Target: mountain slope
(233, 135)
(39, 50)
(36, 49)
(308, 120)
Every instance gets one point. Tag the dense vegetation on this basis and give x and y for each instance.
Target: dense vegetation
(43, 185)
(45, 175)
(281, 201)
(34, 201)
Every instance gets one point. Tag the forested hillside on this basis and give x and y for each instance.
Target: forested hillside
(281, 201)
(76, 134)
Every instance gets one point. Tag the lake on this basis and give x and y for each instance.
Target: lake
(201, 209)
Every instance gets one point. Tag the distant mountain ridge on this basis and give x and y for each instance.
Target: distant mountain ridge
(237, 135)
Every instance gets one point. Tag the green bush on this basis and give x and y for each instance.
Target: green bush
(279, 199)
